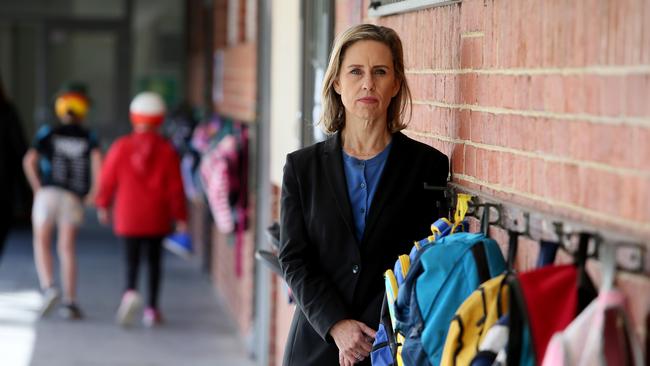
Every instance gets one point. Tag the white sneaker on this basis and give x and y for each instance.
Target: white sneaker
(130, 305)
(51, 297)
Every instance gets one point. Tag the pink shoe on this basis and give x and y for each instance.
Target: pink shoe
(152, 317)
(131, 303)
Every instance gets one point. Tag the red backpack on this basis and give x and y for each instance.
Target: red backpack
(544, 301)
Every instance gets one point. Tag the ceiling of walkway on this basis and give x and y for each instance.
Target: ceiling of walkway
(34, 9)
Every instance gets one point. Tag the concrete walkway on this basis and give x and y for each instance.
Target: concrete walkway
(196, 332)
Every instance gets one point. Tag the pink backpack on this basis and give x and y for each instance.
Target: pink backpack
(595, 337)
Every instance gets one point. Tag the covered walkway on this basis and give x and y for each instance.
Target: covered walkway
(197, 330)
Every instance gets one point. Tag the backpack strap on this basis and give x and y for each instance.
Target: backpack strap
(462, 206)
(547, 253)
(459, 339)
(607, 256)
(586, 289)
(518, 321)
(503, 287)
(513, 241)
(482, 266)
(485, 221)
(388, 327)
(390, 282)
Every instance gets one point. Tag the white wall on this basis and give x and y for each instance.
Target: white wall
(285, 84)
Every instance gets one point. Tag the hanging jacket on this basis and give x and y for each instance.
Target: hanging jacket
(141, 179)
(219, 172)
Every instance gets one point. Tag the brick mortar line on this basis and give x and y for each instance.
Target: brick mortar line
(475, 34)
(543, 157)
(633, 224)
(632, 121)
(588, 70)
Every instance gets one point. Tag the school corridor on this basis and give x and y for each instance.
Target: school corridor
(197, 330)
(542, 108)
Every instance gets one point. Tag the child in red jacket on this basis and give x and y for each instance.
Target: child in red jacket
(141, 180)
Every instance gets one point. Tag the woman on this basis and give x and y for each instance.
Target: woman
(353, 203)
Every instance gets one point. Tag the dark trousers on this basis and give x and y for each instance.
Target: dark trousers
(153, 248)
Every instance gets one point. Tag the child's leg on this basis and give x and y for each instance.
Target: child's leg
(68, 259)
(131, 301)
(43, 216)
(70, 216)
(42, 232)
(132, 250)
(155, 270)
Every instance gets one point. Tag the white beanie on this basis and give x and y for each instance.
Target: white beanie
(147, 108)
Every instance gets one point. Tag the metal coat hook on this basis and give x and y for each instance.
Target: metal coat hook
(629, 256)
(485, 216)
(569, 241)
(631, 253)
(448, 191)
(449, 194)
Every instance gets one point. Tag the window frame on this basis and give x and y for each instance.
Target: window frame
(384, 8)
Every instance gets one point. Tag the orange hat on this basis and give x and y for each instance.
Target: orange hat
(147, 108)
(71, 103)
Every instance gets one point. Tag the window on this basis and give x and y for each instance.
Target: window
(233, 22)
(388, 7)
(318, 34)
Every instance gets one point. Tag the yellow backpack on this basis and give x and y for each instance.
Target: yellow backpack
(473, 319)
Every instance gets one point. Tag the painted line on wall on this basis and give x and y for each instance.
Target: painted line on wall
(582, 117)
(628, 223)
(567, 71)
(532, 155)
(476, 34)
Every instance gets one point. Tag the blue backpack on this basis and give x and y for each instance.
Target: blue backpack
(386, 350)
(440, 278)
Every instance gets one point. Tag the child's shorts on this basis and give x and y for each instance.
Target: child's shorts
(54, 204)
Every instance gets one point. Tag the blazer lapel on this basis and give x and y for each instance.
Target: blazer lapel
(388, 182)
(336, 179)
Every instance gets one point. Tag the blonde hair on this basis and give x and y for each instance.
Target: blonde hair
(333, 112)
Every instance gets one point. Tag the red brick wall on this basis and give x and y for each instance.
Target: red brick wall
(220, 34)
(550, 112)
(236, 291)
(196, 73)
(197, 228)
(282, 311)
(541, 103)
(283, 314)
(239, 103)
(348, 12)
(240, 83)
(196, 79)
(240, 66)
(239, 88)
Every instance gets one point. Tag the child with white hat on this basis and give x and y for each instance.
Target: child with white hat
(140, 182)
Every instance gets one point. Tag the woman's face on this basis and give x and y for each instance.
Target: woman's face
(366, 80)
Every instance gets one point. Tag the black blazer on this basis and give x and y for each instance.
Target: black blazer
(333, 276)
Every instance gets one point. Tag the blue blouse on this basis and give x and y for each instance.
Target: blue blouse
(362, 177)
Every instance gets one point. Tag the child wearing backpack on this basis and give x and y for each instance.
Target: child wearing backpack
(141, 182)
